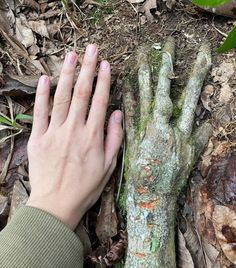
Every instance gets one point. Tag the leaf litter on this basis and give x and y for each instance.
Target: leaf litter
(35, 35)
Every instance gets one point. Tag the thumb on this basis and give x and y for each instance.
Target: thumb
(114, 138)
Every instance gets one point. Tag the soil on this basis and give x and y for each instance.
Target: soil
(119, 28)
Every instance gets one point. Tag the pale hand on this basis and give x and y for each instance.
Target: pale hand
(70, 160)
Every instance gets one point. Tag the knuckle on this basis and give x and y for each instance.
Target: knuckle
(101, 100)
(61, 99)
(94, 133)
(119, 133)
(87, 61)
(82, 94)
(67, 71)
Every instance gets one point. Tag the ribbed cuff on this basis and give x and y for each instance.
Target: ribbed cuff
(35, 238)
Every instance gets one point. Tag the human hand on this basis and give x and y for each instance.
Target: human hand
(70, 161)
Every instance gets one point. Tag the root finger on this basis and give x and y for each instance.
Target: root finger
(163, 105)
(193, 89)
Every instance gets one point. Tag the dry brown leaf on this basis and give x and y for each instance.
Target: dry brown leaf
(24, 34)
(205, 96)
(210, 252)
(7, 18)
(30, 3)
(107, 221)
(224, 221)
(14, 87)
(6, 163)
(192, 242)
(220, 182)
(170, 3)
(54, 64)
(226, 94)
(17, 46)
(39, 27)
(19, 198)
(147, 7)
(33, 50)
(223, 73)
(184, 257)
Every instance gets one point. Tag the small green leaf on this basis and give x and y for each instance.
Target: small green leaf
(5, 121)
(209, 3)
(229, 43)
(24, 117)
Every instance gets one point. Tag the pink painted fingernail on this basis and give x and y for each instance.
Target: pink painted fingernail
(44, 80)
(104, 65)
(71, 58)
(118, 117)
(91, 50)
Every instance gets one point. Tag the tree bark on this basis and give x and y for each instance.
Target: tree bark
(159, 155)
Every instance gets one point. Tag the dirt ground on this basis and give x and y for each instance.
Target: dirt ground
(35, 40)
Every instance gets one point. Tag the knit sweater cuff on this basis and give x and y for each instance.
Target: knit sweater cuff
(35, 238)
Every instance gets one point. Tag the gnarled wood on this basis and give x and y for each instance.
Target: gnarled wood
(159, 156)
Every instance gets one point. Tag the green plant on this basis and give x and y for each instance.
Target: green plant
(230, 41)
(210, 3)
(5, 120)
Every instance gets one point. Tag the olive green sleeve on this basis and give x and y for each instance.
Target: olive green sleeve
(35, 239)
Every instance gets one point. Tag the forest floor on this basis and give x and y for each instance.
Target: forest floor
(34, 39)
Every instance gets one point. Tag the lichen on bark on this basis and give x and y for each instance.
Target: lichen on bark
(160, 155)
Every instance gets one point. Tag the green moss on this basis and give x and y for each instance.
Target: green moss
(176, 111)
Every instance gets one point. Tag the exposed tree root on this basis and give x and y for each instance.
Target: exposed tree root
(159, 156)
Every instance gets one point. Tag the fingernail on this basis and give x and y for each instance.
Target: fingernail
(44, 80)
(91, 50)
(104, 65)
(71, 58)
(118, 117)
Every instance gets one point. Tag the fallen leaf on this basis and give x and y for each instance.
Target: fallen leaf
(7, 18)
(220, 182)
(24, 34)
(224, 221)
(210, 252)
(184, 257)
(106, 226)
(205, 96)
(19, 198)
(170, 3)
(147, 7)
(223, 73)
(14, 87)
(39, 27)
(54, 64)
(106, 257)
(30, 3)
(192, 242)
(226, 94)
(4, 210)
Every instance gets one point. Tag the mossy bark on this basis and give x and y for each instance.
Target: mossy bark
(160, 156)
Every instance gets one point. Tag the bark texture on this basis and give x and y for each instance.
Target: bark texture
(159, 155)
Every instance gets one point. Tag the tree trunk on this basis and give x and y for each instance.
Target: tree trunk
(159, 155)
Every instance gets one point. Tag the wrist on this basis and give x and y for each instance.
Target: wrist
(70, 217)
